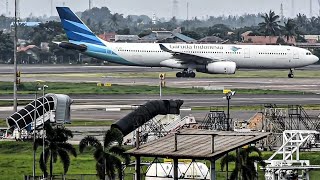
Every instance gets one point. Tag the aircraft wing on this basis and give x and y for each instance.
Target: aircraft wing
(186, 58)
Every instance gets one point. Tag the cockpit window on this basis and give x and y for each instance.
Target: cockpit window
(308, 53)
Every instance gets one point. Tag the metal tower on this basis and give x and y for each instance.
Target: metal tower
(281, 12)
(7, 8)
(292, 8)
(51, 8)
(175, 9)
(90, 4)
(310, 9)
(319, 6)
(18, 9)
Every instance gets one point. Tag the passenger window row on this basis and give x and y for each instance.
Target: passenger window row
(273, 53)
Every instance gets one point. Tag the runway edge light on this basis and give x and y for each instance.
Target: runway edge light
(107, 84)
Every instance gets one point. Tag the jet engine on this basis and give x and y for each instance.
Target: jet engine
(221, 67)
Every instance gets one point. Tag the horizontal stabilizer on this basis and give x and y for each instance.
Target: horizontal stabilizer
(68, 45)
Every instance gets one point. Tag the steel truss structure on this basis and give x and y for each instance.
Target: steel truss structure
(280, 118)
(290, 166)
(215, 120)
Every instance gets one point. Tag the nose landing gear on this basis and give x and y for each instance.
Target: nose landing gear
(186, 74)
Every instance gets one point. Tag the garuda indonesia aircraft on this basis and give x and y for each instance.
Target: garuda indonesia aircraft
(205, 58)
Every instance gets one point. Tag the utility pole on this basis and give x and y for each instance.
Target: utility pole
(43, 121)
(34, 130)
(292, 9)
(175, 9)
(15, 59)
(310, 8)
(7, 8)
(281, 13)
(90, 4)
(187, 15)
(51, 8)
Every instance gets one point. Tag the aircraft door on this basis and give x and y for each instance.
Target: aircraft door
(246, 53)
(295, 54)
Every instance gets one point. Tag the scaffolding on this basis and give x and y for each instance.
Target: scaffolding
(215, 120)
(290, 166)
(277, 119)
(158, 127)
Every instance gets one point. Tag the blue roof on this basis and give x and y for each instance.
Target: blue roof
(184, 37)
(29, 24)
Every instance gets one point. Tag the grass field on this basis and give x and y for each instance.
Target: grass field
(76, 123)
(16, 161)
(92, 88)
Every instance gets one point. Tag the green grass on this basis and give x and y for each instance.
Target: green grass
(250, 107)
(92, 88)
(90, 123)
(3, 123)
(10, 103)
(76, 123)
(172, 74)
(16, 161)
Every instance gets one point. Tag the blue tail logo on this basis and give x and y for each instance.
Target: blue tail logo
(75, 29)
(234, 49)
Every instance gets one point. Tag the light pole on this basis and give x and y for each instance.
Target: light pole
(34, 131)
(15, 59)
(43, 131)
(228, 93)
(228, 97)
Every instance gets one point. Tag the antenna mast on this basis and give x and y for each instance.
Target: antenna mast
(90, 4)
(281, 12)
(7, 8)
(311, 9)
(175, 10)
(292, 9)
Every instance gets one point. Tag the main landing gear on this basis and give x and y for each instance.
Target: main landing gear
(290, 75)
(186, 74)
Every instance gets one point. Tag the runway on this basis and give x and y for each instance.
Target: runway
(58, 69)
(227, 82)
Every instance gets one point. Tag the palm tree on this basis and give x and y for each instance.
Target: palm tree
(108, 156)
(55, 146)
(270, 25)
(289, 29)
(244, 163)
(114, 21)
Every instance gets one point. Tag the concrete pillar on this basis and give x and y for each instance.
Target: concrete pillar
(175, 169)
(213, 169)
(137, 168)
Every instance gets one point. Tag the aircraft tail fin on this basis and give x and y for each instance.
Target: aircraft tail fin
(75, 29)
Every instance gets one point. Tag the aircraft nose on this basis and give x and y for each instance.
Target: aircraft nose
(315, 59)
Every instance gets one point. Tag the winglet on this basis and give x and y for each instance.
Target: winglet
(163, 48)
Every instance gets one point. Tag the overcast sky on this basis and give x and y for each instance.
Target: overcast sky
(163, 8)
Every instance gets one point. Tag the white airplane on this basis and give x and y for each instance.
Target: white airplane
(205, 58)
